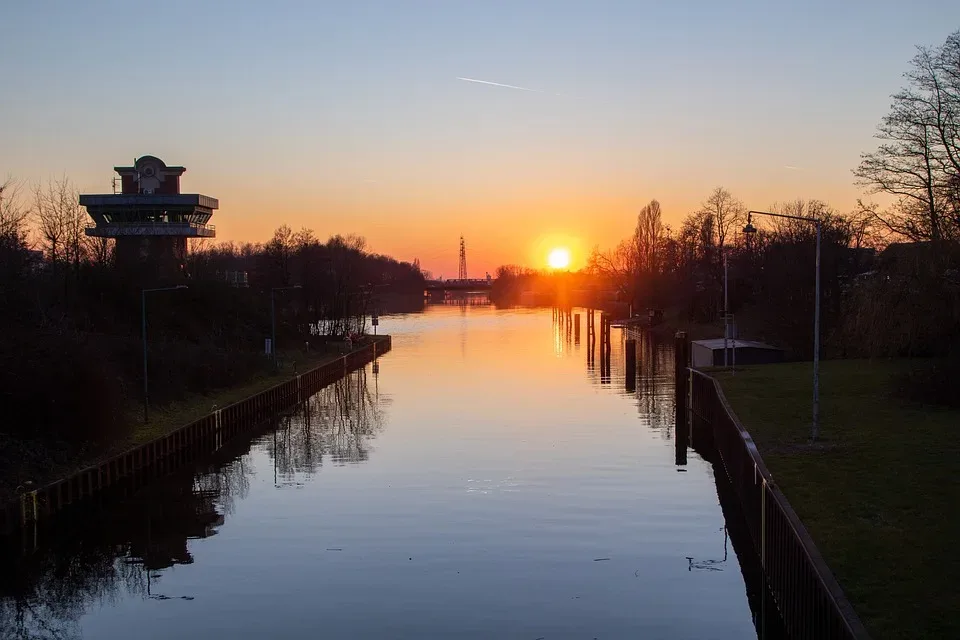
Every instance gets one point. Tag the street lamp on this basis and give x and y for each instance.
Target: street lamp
(273, 320)
(750, 229)
(143, 328)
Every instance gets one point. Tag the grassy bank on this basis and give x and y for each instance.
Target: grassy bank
(42, 462)
(173, 415)
(878, 494)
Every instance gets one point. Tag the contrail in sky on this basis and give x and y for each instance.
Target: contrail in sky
(498, 84)
(790, 166)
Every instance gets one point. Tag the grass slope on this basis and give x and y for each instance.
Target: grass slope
(881, 493)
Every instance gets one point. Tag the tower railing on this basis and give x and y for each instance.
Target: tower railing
(143, 228)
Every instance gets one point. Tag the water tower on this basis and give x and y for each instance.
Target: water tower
(150, 219)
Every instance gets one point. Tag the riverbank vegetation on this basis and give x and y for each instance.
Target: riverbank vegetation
(71, 352)
(879, 490)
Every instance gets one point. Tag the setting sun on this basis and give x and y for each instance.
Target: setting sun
(559, 258)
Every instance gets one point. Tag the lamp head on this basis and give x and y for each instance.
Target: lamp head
(749, 228)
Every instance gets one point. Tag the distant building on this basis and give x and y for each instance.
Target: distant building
(237, 279)
(150, 219)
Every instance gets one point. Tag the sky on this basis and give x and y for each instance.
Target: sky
(367, 117)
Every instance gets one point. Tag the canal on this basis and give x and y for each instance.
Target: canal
(482, 480)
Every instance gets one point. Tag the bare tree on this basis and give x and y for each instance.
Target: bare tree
(635, 262)
(618, 265)
(727, 212)
(14, 212)
(60, 221)
(280, 250)
(99, 250)
(865, 230)
(918, 160)
(303, 238)
(648, 238)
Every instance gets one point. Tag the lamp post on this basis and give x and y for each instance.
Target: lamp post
(143, 330)
(750, 229)
(726, 309)
(273, 320)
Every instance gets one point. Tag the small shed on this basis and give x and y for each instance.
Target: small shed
(709, 353)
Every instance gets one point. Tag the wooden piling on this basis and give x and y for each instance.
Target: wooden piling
(681, 354)
(630, 368)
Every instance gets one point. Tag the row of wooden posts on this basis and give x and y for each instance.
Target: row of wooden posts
(123, 474)
(569, 320)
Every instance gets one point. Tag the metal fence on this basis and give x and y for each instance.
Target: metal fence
(127, 472)
(808, 596)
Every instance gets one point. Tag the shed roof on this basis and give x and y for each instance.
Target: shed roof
(717, 343)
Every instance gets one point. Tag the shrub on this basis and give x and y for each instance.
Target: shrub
(931, 382)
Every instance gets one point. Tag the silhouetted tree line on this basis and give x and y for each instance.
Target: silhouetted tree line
(338, 278)
(70, 320)
(770, 273)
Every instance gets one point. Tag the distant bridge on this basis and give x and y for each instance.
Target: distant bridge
(478, 284)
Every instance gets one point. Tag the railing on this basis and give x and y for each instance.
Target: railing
(152, 224)
(808, 596)
(127, 472)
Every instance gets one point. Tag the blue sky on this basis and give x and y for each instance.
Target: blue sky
(349, 116)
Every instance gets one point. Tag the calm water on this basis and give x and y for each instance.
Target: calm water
(482, 480)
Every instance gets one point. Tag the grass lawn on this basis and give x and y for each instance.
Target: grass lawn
(879, 497)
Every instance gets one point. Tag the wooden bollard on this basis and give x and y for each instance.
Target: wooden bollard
(630, 369)
(576, 327)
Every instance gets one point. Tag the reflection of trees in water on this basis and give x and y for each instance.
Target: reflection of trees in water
(656, 401)
(337, 422)
(124, 550)
(656, 398)
(47, 600)
(44, 593)
(107, 556)
(227, 483)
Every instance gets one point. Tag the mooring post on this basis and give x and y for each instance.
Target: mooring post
(604, 360)
(681, 354)
(630, 374)
(576, 328)
(681, 347)
(591, 354)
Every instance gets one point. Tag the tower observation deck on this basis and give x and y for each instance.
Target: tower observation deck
(150, 219)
